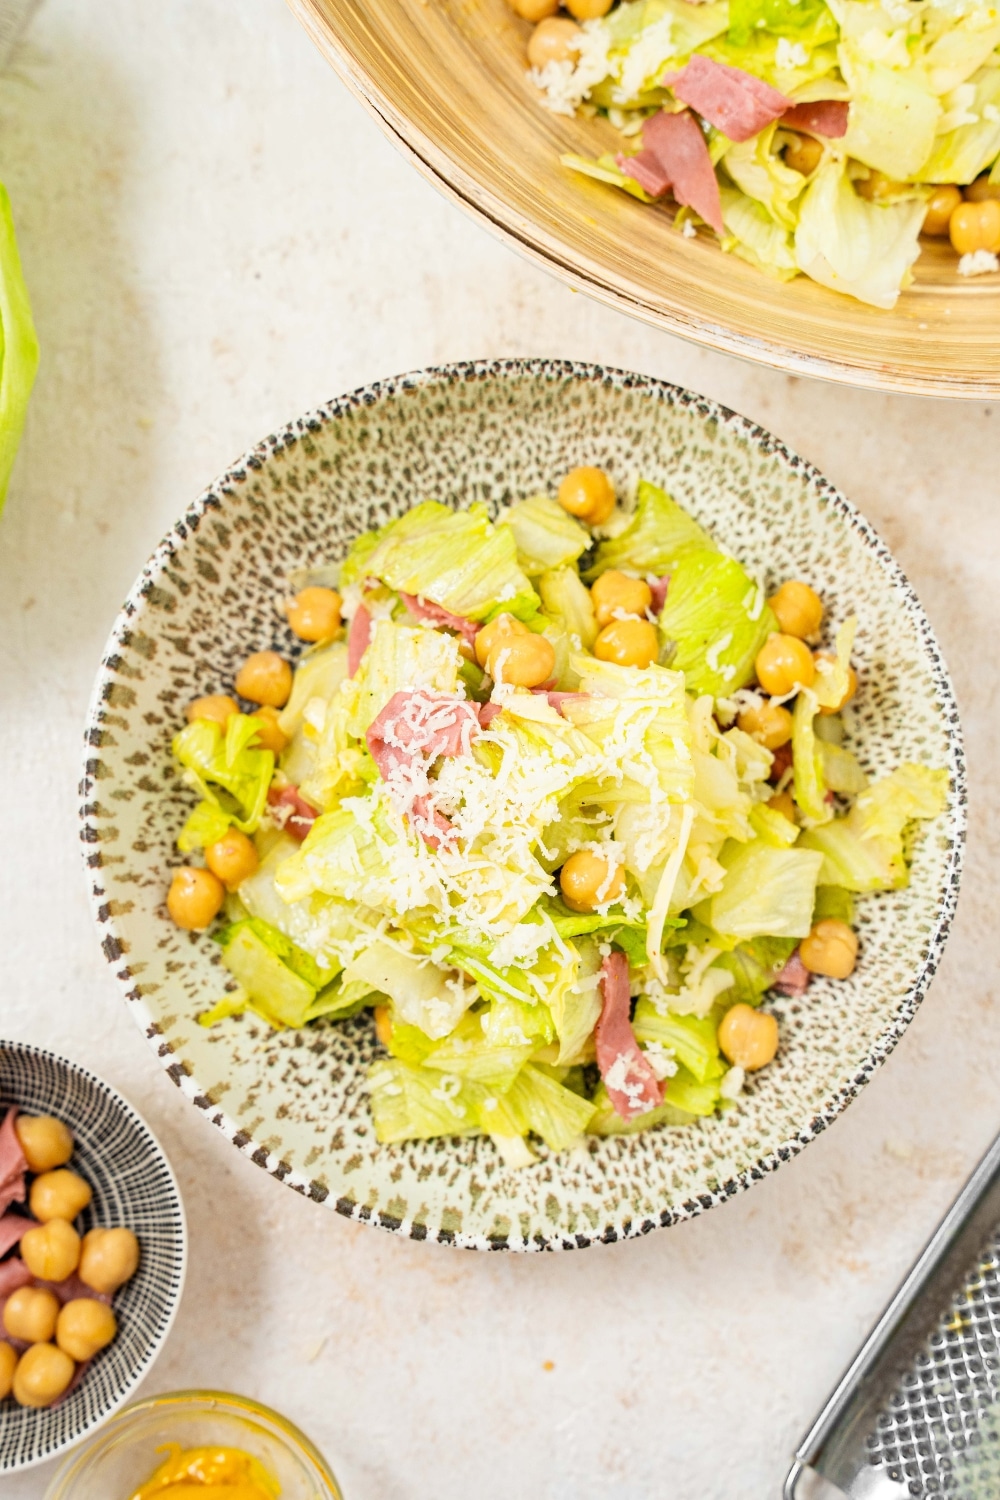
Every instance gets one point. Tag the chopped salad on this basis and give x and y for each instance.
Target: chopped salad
(560, 798)
(815, 137)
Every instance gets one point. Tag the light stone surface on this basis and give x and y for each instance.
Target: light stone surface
(217, 237)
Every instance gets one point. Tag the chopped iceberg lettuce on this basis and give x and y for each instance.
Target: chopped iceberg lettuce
(960, 154)
(413, 1104)
(544, 1106)
(567, 600)
(755, 236)
(658, 535)
(808, 21)
(716, 621)
(266, 976)
(767, 892)
(546, 536)
(850, 245)
(230, 770)
(865, 850)
(894, 114)
(457, 559)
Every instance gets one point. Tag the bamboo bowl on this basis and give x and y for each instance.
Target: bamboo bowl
(446, 80)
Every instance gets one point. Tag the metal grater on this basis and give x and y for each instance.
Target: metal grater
(917, 1412)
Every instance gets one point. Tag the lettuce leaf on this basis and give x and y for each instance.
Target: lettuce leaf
(229, 770)
(18, 346)
(865, 850)
(851, 245)
(414, 1104)
(717, 621)
(659, 533)
(761, 174)
(893, 118)
(808, 21)
(691, 1039)
(566, 600)
(545, 534)
(556, 1114)
(457, 559)
(250, 954)
(960, 155)
(766, 892)
(423, 994)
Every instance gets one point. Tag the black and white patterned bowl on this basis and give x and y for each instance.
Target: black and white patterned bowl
(133, 1186)
(295, 1101)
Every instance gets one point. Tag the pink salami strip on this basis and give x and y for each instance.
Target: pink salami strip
(632, 1086)
(12, 1160)
(300, 815)
(12, 1227)
(823, 117)
(680, 147)
(13, 1273)
(358, 637)
(429, 613)
(794, 978)
(646, 169)
(415, 727)
(659, 592)
(735, 102)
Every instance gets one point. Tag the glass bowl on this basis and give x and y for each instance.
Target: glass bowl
(129, 1449)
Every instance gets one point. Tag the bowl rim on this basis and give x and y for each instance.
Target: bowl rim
(234, 1403)
(212, 498)
(152, 1350)
(491, 211)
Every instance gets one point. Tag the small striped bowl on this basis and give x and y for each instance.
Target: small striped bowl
(133, 1186)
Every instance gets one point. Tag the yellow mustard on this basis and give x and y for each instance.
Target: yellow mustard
(209, 1474)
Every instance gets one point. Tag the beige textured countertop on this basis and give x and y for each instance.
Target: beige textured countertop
(216, 238)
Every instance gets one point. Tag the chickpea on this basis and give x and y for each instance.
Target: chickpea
(831, 949)
(629, 643)
(783, 803)
(588, 494)
(852, 685)
(587, 10)
(42, 1375)
(383, 1024)
(975, 226)
(51, 1251)
(58, 1195)
(617, 591)
(195, 897)
(588, 880)
(108, 1258)
(554, 40)
(217, 707)
(314, 614)
(534, 10)
(783, 664)
(522, 660)
(270, 735)
(45, 1141)
(265, 677)
(797, 608)
(804, 154)
(770, 725)
(486, 639)
(30, 1314)
(982, 190)
(8, 1364)
(232, 858)
(85, 1326)
(878, 187)
(748, 1037)
(941, 204)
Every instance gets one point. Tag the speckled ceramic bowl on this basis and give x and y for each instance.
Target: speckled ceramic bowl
(295, 1101)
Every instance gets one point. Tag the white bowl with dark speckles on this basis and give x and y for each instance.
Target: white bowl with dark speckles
(295, 1101)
